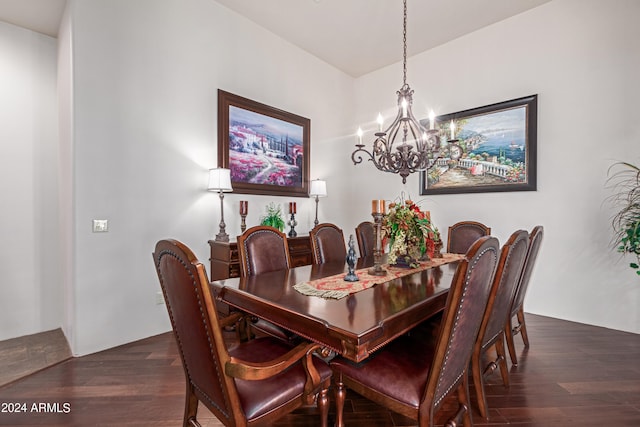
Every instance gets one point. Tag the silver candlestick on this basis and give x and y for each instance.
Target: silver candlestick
(377, 269)
(292, 224)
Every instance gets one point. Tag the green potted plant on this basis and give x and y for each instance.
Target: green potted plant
(624, 179)
(273, 218)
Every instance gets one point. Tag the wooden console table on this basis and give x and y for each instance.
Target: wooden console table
(225, 262)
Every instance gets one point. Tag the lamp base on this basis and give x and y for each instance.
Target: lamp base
(222, 237)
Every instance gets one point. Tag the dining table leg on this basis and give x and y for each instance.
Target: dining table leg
(340, 397)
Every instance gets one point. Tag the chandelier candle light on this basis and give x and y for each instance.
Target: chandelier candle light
(416, 147)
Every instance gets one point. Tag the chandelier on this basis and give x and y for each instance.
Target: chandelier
(406, 146)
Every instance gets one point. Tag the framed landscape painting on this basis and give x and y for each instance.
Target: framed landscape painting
(498, 144)
(266, 149)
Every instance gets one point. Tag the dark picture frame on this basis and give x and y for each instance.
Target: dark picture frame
(266, 149)
(499, 150)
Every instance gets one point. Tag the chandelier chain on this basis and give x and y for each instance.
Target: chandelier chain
(404, 42)
(406, 146)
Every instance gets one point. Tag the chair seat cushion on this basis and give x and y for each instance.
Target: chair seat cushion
(399, 371)
(264, 396)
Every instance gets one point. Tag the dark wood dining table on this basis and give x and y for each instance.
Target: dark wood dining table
(354, 326)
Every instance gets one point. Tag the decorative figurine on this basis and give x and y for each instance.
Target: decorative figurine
(351, 262)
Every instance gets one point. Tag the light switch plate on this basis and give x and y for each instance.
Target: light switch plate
(100, 225)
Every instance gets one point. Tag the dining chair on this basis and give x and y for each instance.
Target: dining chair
(491, 334)
(366, 236)
(263, 249)
(327, 244)
(414, 373)
(462, 234)
(249, 384)
(517, 305)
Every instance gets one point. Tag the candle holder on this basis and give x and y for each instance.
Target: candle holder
(292, 224)
(244, 209)
(243, 222)
(377, 269)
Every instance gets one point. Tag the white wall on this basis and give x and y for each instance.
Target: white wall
(581, 58)
(146, 75)
(139, 130)
(65, 177)
(30, 297)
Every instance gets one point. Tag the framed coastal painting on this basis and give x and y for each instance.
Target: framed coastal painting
(266, 149)
(498, 144)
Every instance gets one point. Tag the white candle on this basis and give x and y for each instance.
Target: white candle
(453, 130)
(404, 107)
(432, 120)
(359, 133)
(380, 121)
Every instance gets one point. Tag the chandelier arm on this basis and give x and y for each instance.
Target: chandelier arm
(419, 125)
(381, 141)
(358, 159)
(380, 163)
(395, 122)
(417, 136)
(392, 135)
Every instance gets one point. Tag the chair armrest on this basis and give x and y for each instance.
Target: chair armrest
(231, 319)
(258, 371)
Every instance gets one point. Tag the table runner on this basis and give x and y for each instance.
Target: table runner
(336, 287)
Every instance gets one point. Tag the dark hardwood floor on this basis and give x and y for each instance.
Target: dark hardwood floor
(573, 374)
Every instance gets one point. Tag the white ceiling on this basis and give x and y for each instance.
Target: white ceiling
(356, 36)
(42, 16)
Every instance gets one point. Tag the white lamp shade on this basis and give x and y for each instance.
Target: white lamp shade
(318, 188)
(220, 180)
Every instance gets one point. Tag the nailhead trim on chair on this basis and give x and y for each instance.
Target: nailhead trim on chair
(193, 282)
(246, 251)
(455, 326)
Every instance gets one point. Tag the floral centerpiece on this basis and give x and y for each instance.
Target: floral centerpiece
(411, 235)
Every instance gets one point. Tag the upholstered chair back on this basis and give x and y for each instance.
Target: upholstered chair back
(262, 249)
(462, 235)
(461, 320)
(535, 241)
(365, 233)
(510, 265)
(195, 325)
(327, 244)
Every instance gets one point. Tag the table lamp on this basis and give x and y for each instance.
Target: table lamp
(318, 189)
(220, 181)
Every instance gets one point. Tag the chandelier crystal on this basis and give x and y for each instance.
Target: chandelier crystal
(406, 146)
